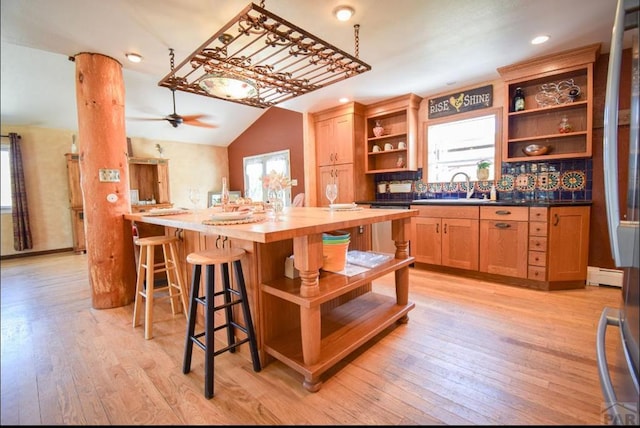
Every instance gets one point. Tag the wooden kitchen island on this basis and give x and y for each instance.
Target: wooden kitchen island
(312, 322)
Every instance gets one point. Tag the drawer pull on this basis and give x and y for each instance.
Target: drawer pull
(437, 227)
(556, 219)
(503, 212)
(503, 225)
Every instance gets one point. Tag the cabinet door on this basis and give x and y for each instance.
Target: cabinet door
(504, 247)
(343, 176)
(324, 142)
(73, 175)
(343, 139)
(568, 243)
(426, 240)
(163, 184)
(460, 243)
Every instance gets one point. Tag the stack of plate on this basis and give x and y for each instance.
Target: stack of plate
(231, 215)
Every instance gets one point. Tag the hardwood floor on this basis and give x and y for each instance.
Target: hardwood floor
(472, 353)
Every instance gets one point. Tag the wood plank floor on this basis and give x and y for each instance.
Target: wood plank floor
(472, 353)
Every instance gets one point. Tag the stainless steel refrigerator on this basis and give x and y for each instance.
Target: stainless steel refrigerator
(619, 373)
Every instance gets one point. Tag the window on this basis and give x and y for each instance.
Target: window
(256, 167)
(5, 178)
(458, 145)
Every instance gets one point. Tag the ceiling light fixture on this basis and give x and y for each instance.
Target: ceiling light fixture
(539, 40)
(134, 57)
(259, 59)
(344, 13)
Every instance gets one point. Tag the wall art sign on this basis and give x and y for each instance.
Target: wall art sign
(460, 102)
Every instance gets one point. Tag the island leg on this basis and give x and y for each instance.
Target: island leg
(399, 235)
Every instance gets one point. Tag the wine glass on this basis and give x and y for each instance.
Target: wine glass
(194, 196)
(331, 192)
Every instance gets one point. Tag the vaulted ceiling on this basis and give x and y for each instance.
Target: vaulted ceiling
(418, 46)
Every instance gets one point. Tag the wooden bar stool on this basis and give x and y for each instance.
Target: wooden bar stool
(234, 298)
(147, 286)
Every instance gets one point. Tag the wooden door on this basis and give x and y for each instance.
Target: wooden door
(163, 184)
(460, 243)
(568, 243)
(343, 176)
(426, 239)
(343, 138)
(73, 176)
(503, 247)
(324, 142)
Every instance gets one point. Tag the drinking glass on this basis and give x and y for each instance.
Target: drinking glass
(194, 196)
(331, 192)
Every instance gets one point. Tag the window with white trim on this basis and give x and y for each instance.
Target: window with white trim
(256, 167)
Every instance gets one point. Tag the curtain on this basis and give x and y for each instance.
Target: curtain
(21, 228)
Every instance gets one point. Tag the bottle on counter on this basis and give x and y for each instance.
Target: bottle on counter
(518, 100)
(493, 193)
(224, 194)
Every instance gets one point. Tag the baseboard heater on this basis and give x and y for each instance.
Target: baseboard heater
(602, 276)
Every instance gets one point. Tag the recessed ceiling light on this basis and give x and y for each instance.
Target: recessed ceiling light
(134, 57)
(539, 39)
(344, 13)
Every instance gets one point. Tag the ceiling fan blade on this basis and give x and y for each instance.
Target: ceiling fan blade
(147, 118)
(198, 123)
(194, 120)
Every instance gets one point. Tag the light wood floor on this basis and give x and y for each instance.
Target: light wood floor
(473, 352)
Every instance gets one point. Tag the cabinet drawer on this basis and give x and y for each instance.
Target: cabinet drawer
(538, 214)
(537, 273)
(446, 212)
(504, 213)
(537, 228)
(537, 243)
(537, 258)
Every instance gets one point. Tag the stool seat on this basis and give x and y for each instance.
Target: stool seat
(234, 298)
(215, 256)
(146, 284)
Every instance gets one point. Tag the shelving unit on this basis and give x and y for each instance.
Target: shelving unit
(539, 124)
(344, 327)
(399, 118)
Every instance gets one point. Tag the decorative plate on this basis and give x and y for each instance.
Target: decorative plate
(549, 180)
(449, 187)
(506, 183)
(483, 186)
(573, 180)
(434, 187)
(421, 187)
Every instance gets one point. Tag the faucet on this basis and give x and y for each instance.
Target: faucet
(466, 176)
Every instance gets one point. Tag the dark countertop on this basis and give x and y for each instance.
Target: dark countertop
(477, 202)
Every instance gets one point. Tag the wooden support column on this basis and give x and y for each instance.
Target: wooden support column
(100, 99)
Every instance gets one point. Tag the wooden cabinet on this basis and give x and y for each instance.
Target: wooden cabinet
(75, 203)
(340, 153)
(504, 240)
(547, 83)
(150, 177)
(559, 245)
(446, 236)
(399, 118)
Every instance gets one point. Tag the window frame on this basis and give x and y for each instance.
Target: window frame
(265, 158)
(497, 160)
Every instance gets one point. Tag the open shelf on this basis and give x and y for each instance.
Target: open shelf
(344, 329)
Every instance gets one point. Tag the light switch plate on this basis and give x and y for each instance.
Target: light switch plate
(109, 175)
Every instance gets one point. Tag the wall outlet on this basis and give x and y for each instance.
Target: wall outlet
(294, 181)
(109, 175)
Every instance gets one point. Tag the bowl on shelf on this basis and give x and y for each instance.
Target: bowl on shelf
(536, 150)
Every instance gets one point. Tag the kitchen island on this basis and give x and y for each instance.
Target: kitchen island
(312, 322)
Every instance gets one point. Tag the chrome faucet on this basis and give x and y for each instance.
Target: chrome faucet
(466, 176)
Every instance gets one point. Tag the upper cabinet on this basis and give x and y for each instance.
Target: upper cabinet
(392, 135)
(339, 153)
(150, 177)
(558, 106)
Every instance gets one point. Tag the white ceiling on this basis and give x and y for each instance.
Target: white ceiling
(414, 46)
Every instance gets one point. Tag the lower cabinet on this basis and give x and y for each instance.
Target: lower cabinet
(77, 224)
(446, 236)
(503, 239)
(543, 247)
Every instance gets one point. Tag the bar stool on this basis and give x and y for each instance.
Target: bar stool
(146, 285)
(224, 257)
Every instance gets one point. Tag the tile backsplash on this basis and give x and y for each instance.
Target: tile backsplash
(558, 180)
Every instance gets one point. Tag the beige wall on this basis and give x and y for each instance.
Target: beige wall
(45, 171)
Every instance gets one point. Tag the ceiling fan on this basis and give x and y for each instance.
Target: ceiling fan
(174, 118)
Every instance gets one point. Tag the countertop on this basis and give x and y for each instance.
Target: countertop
(474, 201)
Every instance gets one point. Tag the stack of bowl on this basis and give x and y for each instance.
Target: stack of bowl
(334, 250)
